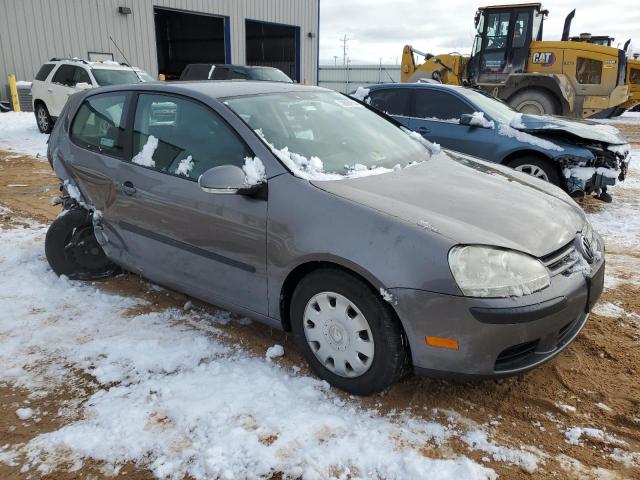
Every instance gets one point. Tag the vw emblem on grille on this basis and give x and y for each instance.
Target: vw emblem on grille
(587, 249)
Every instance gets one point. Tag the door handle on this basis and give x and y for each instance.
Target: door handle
(50, 90)
(128, 188)
(423, 130)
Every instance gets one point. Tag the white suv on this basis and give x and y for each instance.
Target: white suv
(60, 77)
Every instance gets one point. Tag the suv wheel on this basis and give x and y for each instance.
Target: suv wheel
(43, 119)
(73, 250)
(537, 167)
(347, 333)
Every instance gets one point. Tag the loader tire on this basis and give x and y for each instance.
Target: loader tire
(534, 102)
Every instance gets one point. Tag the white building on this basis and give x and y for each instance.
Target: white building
(160, 36)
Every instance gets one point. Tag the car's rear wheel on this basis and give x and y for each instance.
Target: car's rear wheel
(347, 333)
(43, 119)
(537, 167)
(535, 102)
(73, 250)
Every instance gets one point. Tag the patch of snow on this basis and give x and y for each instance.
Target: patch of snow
(387, 296)
(478, 439)
(274, 351)
(604, 406)
(580, 264)
(24, 413)
(23, 83)
(361, 93)
(566, 408)
(629, 459)
(427, 226)
(173, 397)
(621, 150)
(478, 120)
(19, 134)
(627, 118)
(574, 434)
(184, 167)
(508, 131)
(516, 122)
(434, 148)
(145, 156)
(254, 171)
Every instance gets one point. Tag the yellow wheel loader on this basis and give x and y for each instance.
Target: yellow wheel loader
(632, 78)
(510, 60)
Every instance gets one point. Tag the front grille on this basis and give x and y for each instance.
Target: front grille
(515, 353)
(560, 260)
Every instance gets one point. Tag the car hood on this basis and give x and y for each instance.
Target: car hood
(470, 202)
(581, 129)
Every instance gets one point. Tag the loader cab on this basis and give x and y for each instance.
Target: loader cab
(503, 36)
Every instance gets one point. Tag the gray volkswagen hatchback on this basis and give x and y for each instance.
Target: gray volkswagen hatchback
(310, 212)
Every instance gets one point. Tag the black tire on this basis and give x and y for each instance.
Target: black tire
(391, 353)
(534, 101)
(43, 119)
(527, 164)
(71, 248)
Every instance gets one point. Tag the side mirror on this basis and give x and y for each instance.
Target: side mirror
(465, 119)
(227, 179)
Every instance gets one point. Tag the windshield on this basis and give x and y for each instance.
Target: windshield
(269, 74)
(341, 134)
(497, 109)
(106, 77)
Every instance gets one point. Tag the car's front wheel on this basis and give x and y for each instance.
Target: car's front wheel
(73, 250)
(347, 332)
(43, 119)
(537, 167)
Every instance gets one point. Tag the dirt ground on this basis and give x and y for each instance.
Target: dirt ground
(600, 368)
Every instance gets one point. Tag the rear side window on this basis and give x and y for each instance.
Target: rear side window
(99, 124)
(198, 71)
(181, 137)
(588, 71)
(393, 101)
(434, 104)
(44, 71)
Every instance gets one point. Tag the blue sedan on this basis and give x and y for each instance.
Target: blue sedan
(581, 157)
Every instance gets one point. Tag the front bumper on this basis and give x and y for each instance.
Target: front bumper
(500, 336)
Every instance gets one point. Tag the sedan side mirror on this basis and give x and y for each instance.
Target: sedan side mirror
(465, 119)
(228, 179)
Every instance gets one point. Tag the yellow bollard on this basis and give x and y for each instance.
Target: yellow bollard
(15, 101)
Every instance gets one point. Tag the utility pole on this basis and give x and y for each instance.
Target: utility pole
(335, 60)
(344, 41)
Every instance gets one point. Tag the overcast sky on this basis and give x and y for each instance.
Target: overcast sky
(380, 28)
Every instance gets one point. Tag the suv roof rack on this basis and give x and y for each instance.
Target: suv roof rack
(59, 59)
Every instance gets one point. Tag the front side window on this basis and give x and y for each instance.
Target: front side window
(181, 137)
(520, 30)
(44, 71)
(330, 130)
(81, 76)
(437, 105)
(393, 101)
(588, 71)
(269, 74)
(634, 76)
(99, 123)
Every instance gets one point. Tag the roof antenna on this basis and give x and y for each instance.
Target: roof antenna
(125, 59)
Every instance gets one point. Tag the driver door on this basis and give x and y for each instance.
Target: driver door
(207, 245)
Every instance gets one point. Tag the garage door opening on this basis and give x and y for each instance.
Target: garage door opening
(183, 38)
(274, 45)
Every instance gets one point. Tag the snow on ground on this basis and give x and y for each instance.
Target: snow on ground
(19, 133)
(173, 396)
(627, 117)
(619, 221)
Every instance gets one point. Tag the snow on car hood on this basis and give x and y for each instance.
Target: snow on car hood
(583, 129)
(470, 201)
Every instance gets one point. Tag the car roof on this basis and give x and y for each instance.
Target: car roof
(219, 88)
(230, 65)
(416, 85)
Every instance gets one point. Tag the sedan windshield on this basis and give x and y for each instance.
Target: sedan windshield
(106, 77)
(496, 109)
(336, 130)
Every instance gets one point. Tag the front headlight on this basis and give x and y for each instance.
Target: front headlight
(482, 271)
